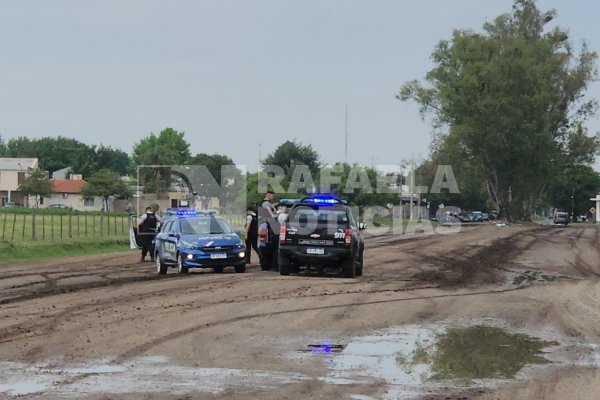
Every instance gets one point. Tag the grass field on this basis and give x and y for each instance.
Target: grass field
(34, 226)
(29, 251)
(27, 234)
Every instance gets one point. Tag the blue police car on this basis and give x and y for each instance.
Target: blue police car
(189, 239)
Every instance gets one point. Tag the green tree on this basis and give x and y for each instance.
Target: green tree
(293, 153)
(573, 190)
(473, 194)
(106, 183)
(35, 184)
(252, 195)
(114, 159)
(358, 185)
(55, 153)
(3, 149)
(513, 99)
(228, 187)
(169, 147)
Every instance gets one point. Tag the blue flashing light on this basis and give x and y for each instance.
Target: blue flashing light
(324, 349)
(325, 201)
(184, 213)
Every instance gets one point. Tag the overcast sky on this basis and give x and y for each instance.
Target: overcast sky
(233, 74)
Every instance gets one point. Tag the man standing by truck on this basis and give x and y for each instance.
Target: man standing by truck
(268, 229)
(147, 229)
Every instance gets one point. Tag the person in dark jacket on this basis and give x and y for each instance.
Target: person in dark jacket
(251, 228)
(148, 227)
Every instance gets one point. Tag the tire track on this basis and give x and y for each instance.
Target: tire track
(139, 350)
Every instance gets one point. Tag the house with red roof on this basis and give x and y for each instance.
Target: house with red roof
(67, 193)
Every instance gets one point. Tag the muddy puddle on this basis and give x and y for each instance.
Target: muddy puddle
(147, 375)
(533, 276)
(408, 361)
(418, 360)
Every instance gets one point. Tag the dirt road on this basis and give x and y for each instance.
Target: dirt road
(105, 327)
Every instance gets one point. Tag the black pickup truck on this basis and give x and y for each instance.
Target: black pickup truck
(321, 232)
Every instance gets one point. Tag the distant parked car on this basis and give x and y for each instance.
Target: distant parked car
(561, 217)
(477, 216)
(465, 217)
(60, 206)
(485, 216)
(493, 214)
(12, 204)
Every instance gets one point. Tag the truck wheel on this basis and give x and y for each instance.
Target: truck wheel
(349, 268)
(181, 268)
(161, 268)
(284, 264)
(359, 265)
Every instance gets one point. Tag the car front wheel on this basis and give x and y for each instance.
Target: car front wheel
(161, 268)
(181, 267)
(240, 269)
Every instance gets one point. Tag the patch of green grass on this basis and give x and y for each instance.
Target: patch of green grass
(50, 226)
(481, 351)
(420, 355)
(27, 251)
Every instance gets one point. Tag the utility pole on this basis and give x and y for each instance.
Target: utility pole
(259, 156)
(412, 189)
(573, 205)
(346, 145)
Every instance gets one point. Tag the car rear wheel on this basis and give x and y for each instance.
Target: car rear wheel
(181, 267)
(218, 270)
(284, 264)
(161, 268)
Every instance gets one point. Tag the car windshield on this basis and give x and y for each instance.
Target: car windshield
(321, 215)
(205, 226)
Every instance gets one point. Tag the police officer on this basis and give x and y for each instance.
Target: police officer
(266, 217)
(148, 227)
(251, 228)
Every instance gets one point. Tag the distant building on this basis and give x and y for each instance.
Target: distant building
(67, 192)
(61, 173)
(12, 173)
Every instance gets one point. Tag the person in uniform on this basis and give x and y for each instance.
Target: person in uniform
(147, 229)
(251, 228)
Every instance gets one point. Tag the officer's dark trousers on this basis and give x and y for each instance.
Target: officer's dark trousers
(251, 243)
(146, 240)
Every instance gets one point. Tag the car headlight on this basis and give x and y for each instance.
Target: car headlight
(188, 245)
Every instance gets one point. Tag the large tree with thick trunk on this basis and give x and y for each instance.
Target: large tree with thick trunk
(512, 98)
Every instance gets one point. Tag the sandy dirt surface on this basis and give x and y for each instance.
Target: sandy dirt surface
(106, 327)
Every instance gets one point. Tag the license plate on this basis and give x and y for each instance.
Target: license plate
(315, 251)
(217, 256)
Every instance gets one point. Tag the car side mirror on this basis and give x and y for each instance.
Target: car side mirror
(362, 226)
